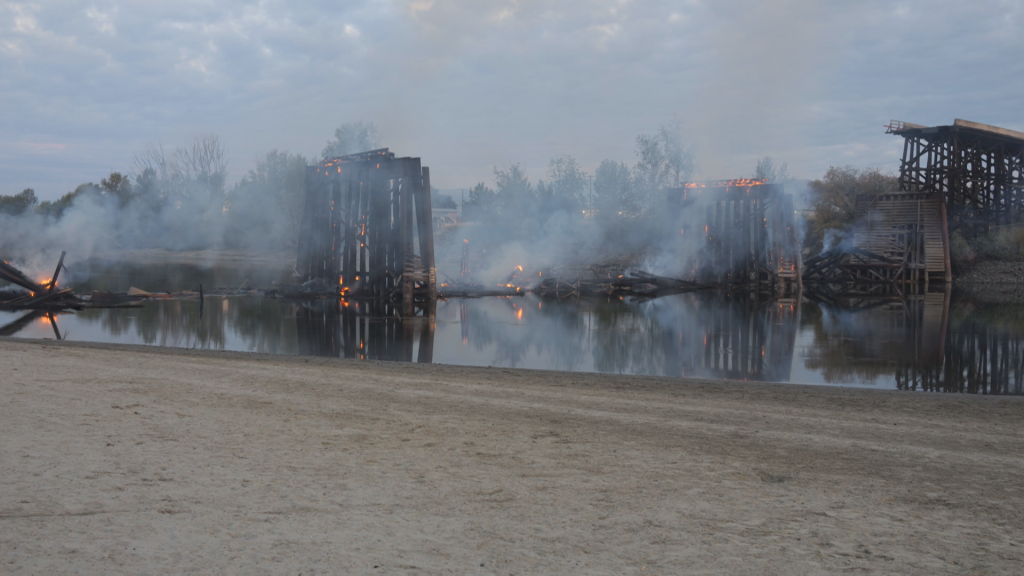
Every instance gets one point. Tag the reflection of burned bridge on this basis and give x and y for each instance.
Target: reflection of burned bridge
(734, 339)
(976, 169)
(364, 330)
(975, 357)
(367, 229)
(742, 233)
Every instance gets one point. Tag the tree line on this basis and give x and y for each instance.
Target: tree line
(615, 190)
(179, 198)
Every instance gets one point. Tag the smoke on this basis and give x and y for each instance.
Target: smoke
(173, 200)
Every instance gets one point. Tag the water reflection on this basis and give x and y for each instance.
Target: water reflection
(934, 342)
(981, 353)
(364, 330)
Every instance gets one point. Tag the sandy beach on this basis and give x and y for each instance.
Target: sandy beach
(160, 461)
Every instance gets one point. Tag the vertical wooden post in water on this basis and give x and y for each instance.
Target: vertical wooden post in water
(426, 231)
(366, 216)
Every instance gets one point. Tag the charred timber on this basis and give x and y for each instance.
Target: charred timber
(366, 230)
(46, 298)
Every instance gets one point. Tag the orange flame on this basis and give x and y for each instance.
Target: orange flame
(739, 182)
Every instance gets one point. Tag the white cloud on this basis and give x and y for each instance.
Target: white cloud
(420, 6)
(100, 20)
(469, 84)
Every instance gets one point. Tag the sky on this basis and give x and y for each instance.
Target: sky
(470, 85)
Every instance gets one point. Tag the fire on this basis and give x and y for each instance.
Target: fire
(519, 314)
(739, 182)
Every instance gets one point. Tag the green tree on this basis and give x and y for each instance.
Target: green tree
(264, 210)
(56, 209)
(664, 161)
(768, 170)
(566, 185)
(515, 196)
(438, 200)
(481, 203)
(352, 137)
(119, 187)
(613, 190)
(834, 197)
(18, 204)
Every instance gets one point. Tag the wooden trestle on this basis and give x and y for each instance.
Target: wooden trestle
(977, 169)
(750, 237)
(899, 239)
(367, 227)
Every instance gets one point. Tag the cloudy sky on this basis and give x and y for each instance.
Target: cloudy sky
(468, 85)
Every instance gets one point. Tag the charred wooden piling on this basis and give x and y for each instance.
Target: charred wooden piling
(742, 234)
(366, 231)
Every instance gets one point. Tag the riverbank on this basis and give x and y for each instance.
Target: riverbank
(133, 459)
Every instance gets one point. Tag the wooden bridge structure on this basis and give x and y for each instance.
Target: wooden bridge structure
(746, 234)
(366, 230)
(900, 240)
(977, 170)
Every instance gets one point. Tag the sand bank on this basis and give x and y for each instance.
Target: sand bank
(142, 460)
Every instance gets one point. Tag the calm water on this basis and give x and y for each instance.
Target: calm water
(931, 342)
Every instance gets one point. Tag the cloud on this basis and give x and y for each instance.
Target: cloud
(100, 20)
(470, 85)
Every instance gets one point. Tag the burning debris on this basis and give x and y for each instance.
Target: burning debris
(43, 295)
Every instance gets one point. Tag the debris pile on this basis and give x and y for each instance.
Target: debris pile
(635, 283)
(46, 296)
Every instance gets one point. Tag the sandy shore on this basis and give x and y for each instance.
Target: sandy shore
(141, 460)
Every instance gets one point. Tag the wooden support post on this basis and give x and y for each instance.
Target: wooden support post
(404, 237)
(56, 273)
(426, 233)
